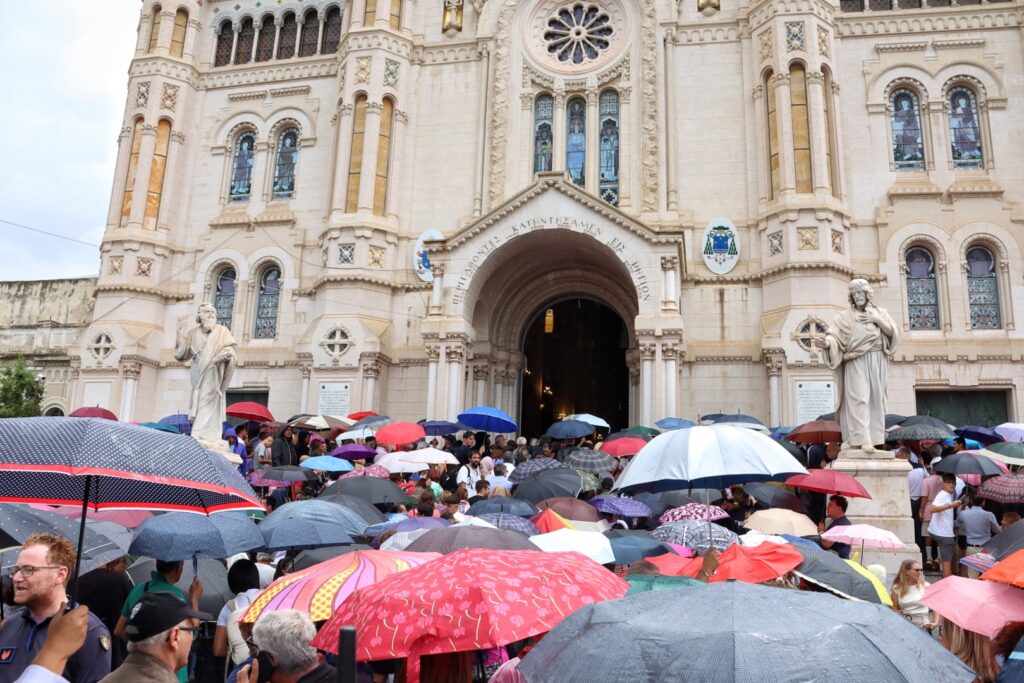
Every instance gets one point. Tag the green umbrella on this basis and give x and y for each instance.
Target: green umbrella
(642, 583)
(160, 427)
(1012, 453)
(643, 432)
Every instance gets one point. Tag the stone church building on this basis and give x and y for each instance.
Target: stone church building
(633, 208)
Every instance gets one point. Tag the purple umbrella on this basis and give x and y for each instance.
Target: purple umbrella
(503, 520)
(983, 434)
(624, 507)
(354, 451)
(532, 467)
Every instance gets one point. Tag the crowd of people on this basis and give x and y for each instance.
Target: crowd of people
(154, 631)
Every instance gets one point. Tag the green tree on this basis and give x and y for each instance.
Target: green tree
(21, 394)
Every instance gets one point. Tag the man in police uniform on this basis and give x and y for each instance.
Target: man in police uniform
(44, 565)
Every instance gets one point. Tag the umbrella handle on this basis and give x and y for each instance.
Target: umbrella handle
(346, 671)
(81, 540)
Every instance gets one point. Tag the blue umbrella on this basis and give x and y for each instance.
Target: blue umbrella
(179, 421)
(983, 434)
(373, 421)
(327, 463)
(393, 519)
(569, 429)
(503, 520)
(668, 423)
(512, 506)
(182, 536)
(969, 442)
(161, 427)
(310, 524)
(441, 427)
(488, 419)
(630, 548)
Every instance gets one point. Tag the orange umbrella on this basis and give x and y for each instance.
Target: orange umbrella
(1009, 570)
(549, 520)
(754, 564)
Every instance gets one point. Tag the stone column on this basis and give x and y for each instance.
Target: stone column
(437, 290)
(558, 131)
(130, 371)
(194, 28)
(625, 149)
(235, 27)
(454, 354)
(262, 159)
(396, 163)
(481, 136)
(784, 124)
(648, 350)
(774, 362)
(169, 213)
(670, 134)
(304, 396)
(163, 46)
(140, 189)
(764, 180)
(480, 375)
(498, 388)
(590, 164)
(433, 350)
(634, 394)
(820, 171)
(669, 298)
(371, 371)
(670, 362)
(371, 140)
(124, 151)
(278, 23)
(342, 159)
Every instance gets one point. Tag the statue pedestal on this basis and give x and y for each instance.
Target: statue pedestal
(885, 478)
(220, 446)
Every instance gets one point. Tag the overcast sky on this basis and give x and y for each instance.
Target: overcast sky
(65, 65)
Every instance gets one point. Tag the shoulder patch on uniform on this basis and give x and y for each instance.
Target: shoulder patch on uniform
(105, 642)
(7, 654)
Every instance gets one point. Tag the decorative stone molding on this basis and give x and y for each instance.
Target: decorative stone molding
(115, 265)
(290, 91)
(647, 350)
(247, 75)
(844, 271)
(169, 97)
(454, 353)
(669, 351)
(391, 70)
(481, 372)
(362, 72)
(954, 20)
(796, 38)
(775, 243)
(765, 45)
(807, 238)
(649, 84)
(837, 242)
(669, 262)
(774, 361)
(142, 93)
(503, 32)
(143, 266)
(130, 370)
(433, 351)
(823, 42)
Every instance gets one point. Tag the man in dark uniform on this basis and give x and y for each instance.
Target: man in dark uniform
(44, 565)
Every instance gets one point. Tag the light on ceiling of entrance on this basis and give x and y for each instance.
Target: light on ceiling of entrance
(549, 321)
(547, 391)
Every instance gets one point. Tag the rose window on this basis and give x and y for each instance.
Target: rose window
(578, 34)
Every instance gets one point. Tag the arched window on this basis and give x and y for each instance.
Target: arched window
(576, 140)
(178, 34)
(395, 20)
(608, 169)
(355, 162)
(284, 164)
(543, 120)
(224, 297)
(380, 186)
(332, 31)
(310, 34)
(964, 129)
(983, 289)
(156, 175)
(246, 38)
(831, 159)
(129, 182)
(773, 133)
(801, 128)
(241, 168)
(265, 39)
(154, 28)
(922, 290)
(907, 135)
(267, 304)
(369, 12)
(289, 33)
(225, 39)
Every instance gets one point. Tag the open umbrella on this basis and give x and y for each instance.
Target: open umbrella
(980, 606)
(780, 521)
(735, 632)
(321, 423)
(968, 463)
(430, 456)
(326, 463)
(693, 511)
(531, 467)
(826, 569)
(549, 484)
(829, 481)
(128, 519)
(754, 564)
(400, 523)
(670, 423)
(623, 507)
(569, 429)
(441, 427)
(1006, 488)
(160, 427)
(511, 506)
(645, 583)
(503, 520)
(363, 508)
(394, 462)
(774, 496)
(549, 520)
(375, 471)
(697, 535)
(592, 420)
(179, 421)
(589, 460)
(453, 538)
(487, 599)
(359, 415)
(182, 536)
(319, 590)
(212, 573)
(399, 433)
(372, 422)
(1011, 431)
(918, 432)
(590, 544)
(370, 489)
(249, 410)
(1011, 453)
(983, 435)
(281, 475)
(1008, 570)
(354, 451)
(817, 431)
(93, 411)
(570, 508)
(310, 524)
(1008, 541)
(864, 535)
(307, 558)
(488, 419)
(18, 522)
(627, 445)
(633, 546)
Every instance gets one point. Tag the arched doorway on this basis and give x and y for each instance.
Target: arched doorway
(574, 361)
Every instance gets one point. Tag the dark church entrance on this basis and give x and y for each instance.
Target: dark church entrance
(575, 362)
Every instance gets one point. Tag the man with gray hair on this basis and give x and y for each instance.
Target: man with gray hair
(283, 641)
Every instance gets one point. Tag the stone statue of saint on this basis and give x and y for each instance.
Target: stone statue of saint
(857, 347)
(211, 348)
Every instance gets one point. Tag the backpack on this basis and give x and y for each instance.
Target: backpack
(238, 649)
(449, 478)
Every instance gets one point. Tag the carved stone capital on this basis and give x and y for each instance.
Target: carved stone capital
(815, 78)
(374, 108)
(670, 350)
(433, 351)
(131, 369)
(669, 262)
(437, 269)
(647, 350)
(481, 372)
(455, 353)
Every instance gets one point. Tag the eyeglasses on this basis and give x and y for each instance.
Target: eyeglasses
(914, 569)
(26, 570)
(191, 630)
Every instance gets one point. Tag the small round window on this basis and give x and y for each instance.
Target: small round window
(578, 34)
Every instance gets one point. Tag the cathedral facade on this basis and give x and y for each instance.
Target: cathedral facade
(381, 196)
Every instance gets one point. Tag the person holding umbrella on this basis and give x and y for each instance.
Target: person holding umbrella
(39, 580)
(836, 511)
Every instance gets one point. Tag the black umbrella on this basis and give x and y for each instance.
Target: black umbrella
(891, 419)
(307, 558)
(775, 497)
(365, 509)
(550, 484)
(183, 536)
(927, 420)
(674, 499)
(511, 506)
(794, 450)
(212, 573)
(826, 569)
(454, 538)
(371, 489)
(310, 524)
(1007, 542)
(569, 429)
(918, 432)
(285, 473)
(630, 546)
(532, 467)
(968, 463)
(18, 522)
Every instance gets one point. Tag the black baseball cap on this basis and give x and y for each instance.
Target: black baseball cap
(156, 613)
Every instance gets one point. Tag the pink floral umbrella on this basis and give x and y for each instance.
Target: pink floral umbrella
(693, 511)
(370, 471)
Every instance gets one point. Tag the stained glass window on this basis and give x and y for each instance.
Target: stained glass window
(579, 33)
(133, 162)
(907, 138)
(246, 38)
(286, 41)
(265, 41)
(332, 31)
(982, 290)
(222, 56)
(284, 166)
(773, 134)
(154, 30)
(801, 128)
(355, 163)
(576, 140)
(347, 254)
(964, 131)
(922, 290)
(608, 170)
(224, 298)
(310, 34)
(178, 34)
(543, 118)
(241, 168)
(157, 169)
(266, 306)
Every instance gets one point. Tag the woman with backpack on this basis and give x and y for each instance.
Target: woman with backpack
(228, 642)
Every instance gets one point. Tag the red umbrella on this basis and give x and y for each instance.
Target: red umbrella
(361, 414)
(627, 445)
(94, 411)
(249, 410)
(398, 433)
(751, 564)
(471, 599)
(818, 431)
(829, 481)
